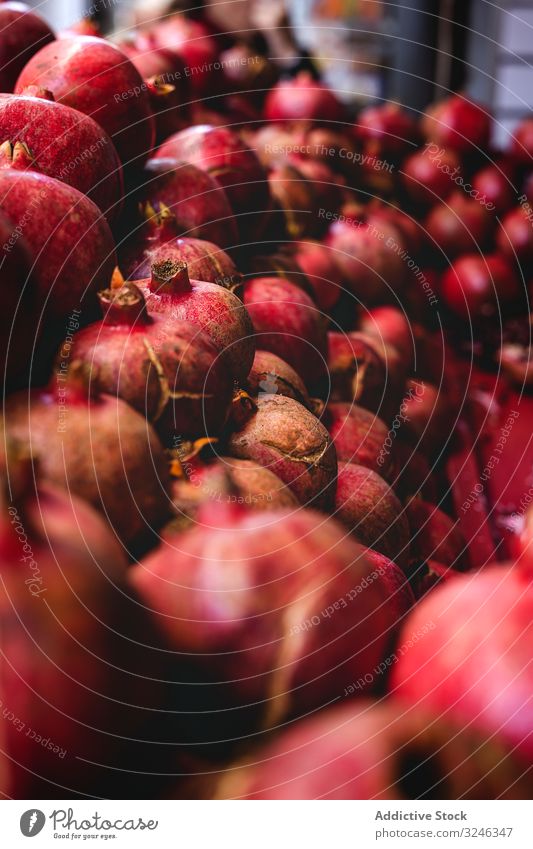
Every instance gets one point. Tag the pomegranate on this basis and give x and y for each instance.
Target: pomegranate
(213, 309)
(322, 271)
(282, 264)
(248, 72)
(62, 143)
(280, 608)
(327, 186)
(197, 201)
(302, 98)
(427, 174)
(166, 369)
(270, 375)
(166, 104)
(458, 124)
(494, 187)
(73, 691)
(392, 327)
(458, 226)
(152, 60)
(355, 370)
(97, 78)
(514, 237)
(222, 154)
(296, 202)
(18, 305)
(287, 323)
(71, 245)
(205, 260)
(429, 417)
(434, 536)
(522, 143)
(24, 32)
(415, 476)
(377, 751)
(231, 481)
(386, 130)
(370, 510)
(286, 438)
(360, 437)
(478, 287)
(96, 447)
(475, 668)
(192, 43)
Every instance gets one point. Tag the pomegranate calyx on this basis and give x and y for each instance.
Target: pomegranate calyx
(170, 276)
(124, 305)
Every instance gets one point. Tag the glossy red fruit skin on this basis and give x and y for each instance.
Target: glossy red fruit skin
(368, 507)
(426, 174)
(99, 449)
(18, 320)
(476, 287)
(360, 437)
(302, 99)
(237, 598)
(221, 153)
(459, 225)
(70, 241)
(475, 667)
(386, 130)
(322, 271)
(376, 751)
(193, 44)
(458, 124)
(198, 203)
(24, 32)
(168, 370)
(514, 236)
(288, 439)
(67, 145)
(96, 78)
(205, 260)
(493, 184)
(210, 307)
(288, 324)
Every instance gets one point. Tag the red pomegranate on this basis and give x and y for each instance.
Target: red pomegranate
(459, 225)
(63, 143)
(288, 439)
(97, 78)
(192, 43)
(96, 447)
(322, 271)
(24, 32)
(459, 124)
(198, 204)
(222, 154)
(287, 323)
(166, 369)
(386, 130)
(356, 372)
(70, 241)
(522, 143)
(427, 174)
(360, 437)
(205, 260)
(210, 307)
(302, 98)
(435, 536)
(392, 327)
(477, 287)
(514, 237)
(493, 186)
(270, 375)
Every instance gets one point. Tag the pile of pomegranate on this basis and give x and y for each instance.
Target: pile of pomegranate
(267, 467)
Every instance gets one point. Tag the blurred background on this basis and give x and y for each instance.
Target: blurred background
(366, 49)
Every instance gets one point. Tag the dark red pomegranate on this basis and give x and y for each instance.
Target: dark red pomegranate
(192, 42)
(287, 323)
(386, 130)
(522, 143)
(370, 510)
(378, 751)
(494, 188)
(459, 124)
(435, 536)
(61, 142)
(210, 307)
(286, 438)
(70, 241)
(302, 98)
(269, 605)
(152, 60)
(24, 32)
(360, 437)
(514, 236)
(205, 260)
(475, 667)
(392, 327)
(270, 375)
(197, 202)
(95, 77)
(459, 225)
(319, 265)
(355, 370)
(169, 370)
(19, 316)
(222, 154)
(427, 174)
(429, 417)
(476, 287)
(96, 447)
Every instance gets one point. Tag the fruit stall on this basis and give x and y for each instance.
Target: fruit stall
(266, 527)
